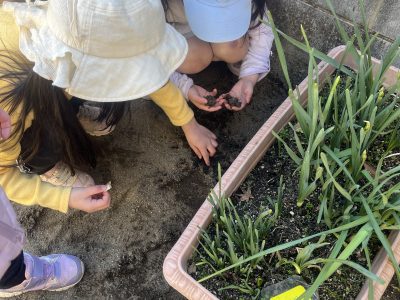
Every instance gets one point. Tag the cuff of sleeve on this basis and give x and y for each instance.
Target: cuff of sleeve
(64, 200)
(260, 77)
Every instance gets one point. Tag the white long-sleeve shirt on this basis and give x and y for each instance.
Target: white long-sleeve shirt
(256, 61)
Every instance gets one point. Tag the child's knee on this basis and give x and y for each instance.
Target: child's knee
(199, 56)
(231, 52)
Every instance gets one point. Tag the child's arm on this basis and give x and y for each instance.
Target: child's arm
(256, 64)
(30, 190)
(201, 140)
(257, 59)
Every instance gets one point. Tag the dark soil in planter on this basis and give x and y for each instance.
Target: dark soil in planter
(392, 292)
(293, 224)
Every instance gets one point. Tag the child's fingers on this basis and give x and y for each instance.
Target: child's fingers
(214, 92)
(206, 160)
(95, 189)
(212, 108)
(100, 204)
(214, 143)
(201, 100)
(197, 151)
(206, 156)
(211, 150)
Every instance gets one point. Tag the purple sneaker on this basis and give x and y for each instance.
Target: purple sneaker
(56, 272)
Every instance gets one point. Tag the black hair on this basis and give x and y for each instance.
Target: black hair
(28, 92)
(258, 13)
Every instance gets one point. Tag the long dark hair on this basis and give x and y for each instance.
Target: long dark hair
(258, 8)
(28, 92)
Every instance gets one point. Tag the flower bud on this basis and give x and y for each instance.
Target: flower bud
(318, 174)
(380, 95)
(367, 126)
(364, 155)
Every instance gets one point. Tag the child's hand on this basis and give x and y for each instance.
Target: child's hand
(243, 90)
(81, 198)
(202, 141)
(5, 125)
(196, 95)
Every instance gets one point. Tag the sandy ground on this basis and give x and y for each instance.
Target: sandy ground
(158, 185)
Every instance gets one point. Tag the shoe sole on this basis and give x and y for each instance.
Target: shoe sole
(13, 294)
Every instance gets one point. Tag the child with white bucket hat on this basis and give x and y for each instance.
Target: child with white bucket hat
(222, 30)
(108, 51)
(21, 271)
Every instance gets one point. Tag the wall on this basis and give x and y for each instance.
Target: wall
(383, 16)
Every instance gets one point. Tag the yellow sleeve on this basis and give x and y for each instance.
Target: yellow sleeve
(172, 102)
(19, 187)
(23, 188)
(9, 31)
(29, 189)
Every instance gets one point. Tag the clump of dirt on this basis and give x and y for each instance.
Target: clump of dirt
(232, 101)
(211, 100)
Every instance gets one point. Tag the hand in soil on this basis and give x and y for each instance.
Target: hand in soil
(202, 141)
(243, 91)
(199, 97)
(82, 198)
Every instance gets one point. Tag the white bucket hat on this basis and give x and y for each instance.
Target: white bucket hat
(100, 50)
(218, 21)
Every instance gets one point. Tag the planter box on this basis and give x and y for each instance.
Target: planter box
(174, 268)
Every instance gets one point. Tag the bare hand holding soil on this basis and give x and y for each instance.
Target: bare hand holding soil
(90, 199)
(243, 91)
(200, 97)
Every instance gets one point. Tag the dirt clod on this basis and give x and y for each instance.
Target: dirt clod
(232, 101)
(211, 100)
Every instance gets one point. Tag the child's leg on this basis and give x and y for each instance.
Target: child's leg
(15, 274)
(22, 272)
(198, 58)
(56, 272)
(201, 53)
(231, 52)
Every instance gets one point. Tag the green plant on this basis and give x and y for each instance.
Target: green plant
(302, 260)
(339, 130)
(333, 137)
(244, 287)
(236, 237)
